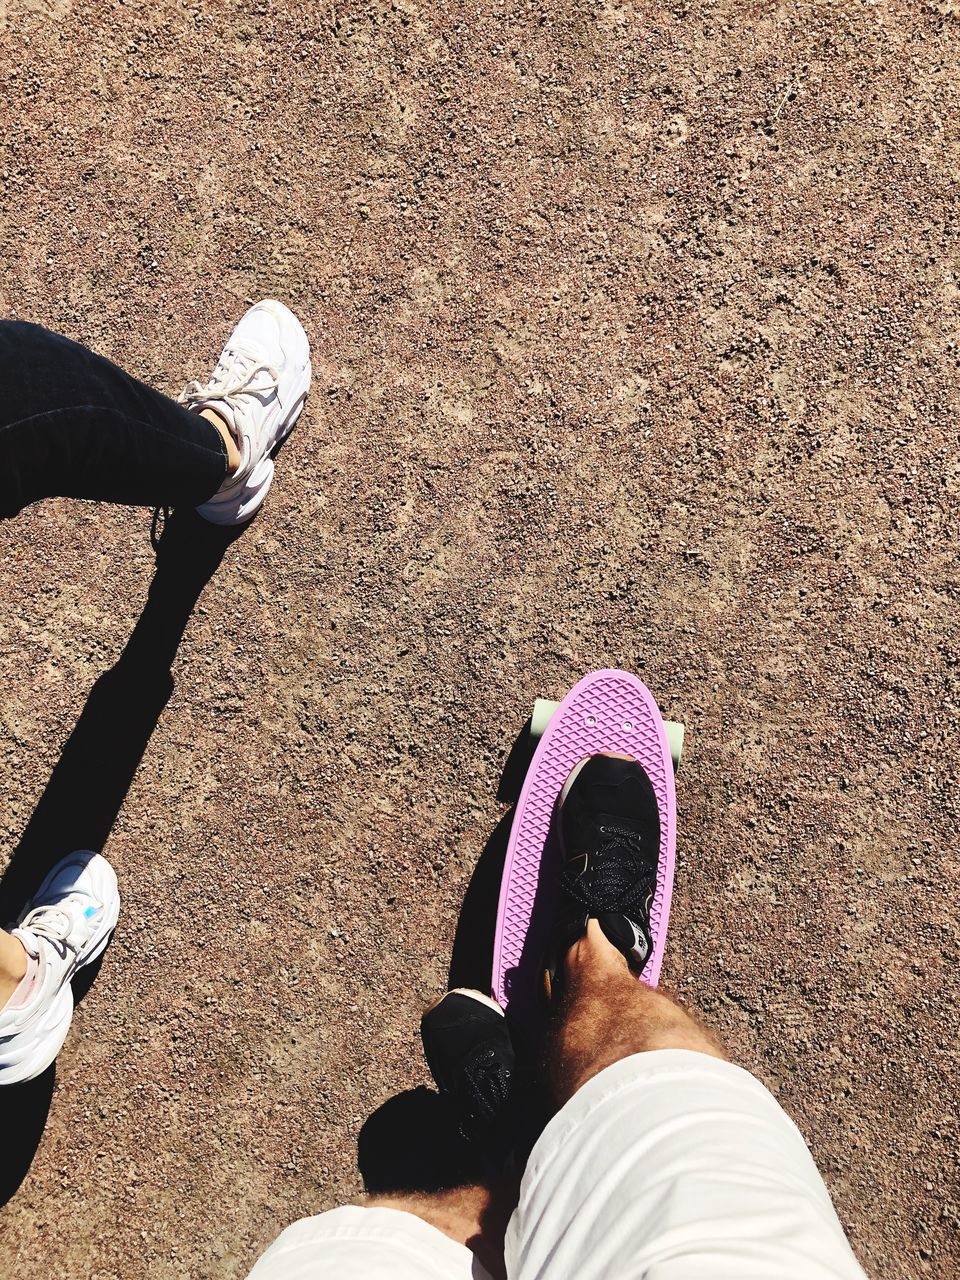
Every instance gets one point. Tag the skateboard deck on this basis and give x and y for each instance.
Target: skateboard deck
(606, 711)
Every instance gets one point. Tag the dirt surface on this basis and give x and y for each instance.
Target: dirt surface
(636, 339)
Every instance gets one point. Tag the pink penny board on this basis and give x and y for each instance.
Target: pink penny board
(606, 711)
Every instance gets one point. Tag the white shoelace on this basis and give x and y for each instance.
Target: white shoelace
(53, 923)
(233, 377)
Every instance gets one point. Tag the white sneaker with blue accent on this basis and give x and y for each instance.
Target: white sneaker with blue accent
(258, 389)
(66, 926)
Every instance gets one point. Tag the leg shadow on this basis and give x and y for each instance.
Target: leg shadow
(88, 786)
(25, 1116)
(412, 1142)
(90, 781)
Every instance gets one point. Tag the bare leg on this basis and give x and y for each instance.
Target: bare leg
(679, 1167)
(13, 965)
(606, 1014)
(473, 1216)
(234, 456)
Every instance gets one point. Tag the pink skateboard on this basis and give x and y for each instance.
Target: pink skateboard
(606, 711)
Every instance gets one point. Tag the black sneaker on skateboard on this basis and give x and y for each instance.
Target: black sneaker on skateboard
(609, 828)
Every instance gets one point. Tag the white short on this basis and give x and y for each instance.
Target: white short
(668, 1165)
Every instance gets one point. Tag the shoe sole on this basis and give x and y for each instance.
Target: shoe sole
(54, 1030)
(47, 1043)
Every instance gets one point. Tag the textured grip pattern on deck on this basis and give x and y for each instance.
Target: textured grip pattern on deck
(606, 711)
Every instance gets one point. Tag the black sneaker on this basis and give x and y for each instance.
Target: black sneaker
(609, 826)
(470, 1054)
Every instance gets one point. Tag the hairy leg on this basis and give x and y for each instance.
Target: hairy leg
(606, 1014)
(474, 1216)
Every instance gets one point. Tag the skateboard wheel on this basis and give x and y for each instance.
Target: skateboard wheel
(543, 710)
(674, 741)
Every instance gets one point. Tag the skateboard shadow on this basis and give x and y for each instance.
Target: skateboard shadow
(527, 1013)
(471, 957)
(516, 766)
(470, 964)
(89, 783)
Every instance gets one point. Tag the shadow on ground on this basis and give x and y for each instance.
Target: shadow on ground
(412, 1142)
(87, 788)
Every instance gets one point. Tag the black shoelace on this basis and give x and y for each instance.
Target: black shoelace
(490, 1086)
(618, 875)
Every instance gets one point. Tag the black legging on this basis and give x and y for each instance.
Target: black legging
(73, 425)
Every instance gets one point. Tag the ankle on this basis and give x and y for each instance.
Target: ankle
(13, 965)
(234, 456)
(594, 952)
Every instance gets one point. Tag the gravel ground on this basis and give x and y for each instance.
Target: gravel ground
(636, 338)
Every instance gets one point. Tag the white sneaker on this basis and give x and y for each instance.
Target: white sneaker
(67, 925)
(258, 388)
